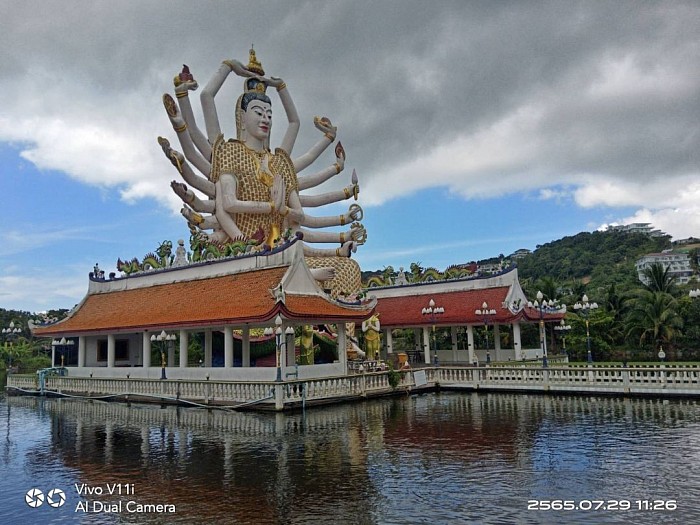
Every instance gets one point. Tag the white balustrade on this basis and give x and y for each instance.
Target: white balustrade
(665, 380)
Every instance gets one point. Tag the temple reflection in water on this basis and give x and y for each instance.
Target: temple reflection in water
(349, 460)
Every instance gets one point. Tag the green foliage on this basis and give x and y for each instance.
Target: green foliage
(659, 279)
(654, 319)
(394, 377)
(598, 258)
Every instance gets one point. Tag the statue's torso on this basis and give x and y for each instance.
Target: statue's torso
(252, 184)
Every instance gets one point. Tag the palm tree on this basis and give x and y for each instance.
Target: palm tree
(616, 305)
(654, 318)
(658, 279)
(549, 288)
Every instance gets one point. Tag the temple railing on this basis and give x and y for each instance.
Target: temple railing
(659, 381)
(682, 380)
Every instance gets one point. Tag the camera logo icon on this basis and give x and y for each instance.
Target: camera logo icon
(34, 498)
(56, 498)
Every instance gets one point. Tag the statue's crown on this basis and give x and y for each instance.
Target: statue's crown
(254, 84)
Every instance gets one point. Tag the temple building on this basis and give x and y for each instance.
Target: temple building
(459, 305)
(118, 318)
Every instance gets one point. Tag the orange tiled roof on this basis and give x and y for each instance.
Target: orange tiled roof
(237, 298)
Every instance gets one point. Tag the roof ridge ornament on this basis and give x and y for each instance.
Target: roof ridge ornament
(279, 294)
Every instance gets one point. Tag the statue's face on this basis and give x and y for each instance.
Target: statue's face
(257, 119)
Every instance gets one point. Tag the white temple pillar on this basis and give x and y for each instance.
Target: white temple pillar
(171, 353)
(426, 344)
(146, 349)
(516, 342)
(228, 346)
(183, 348)
(470, 344)
(496, 342)
(389, 341)
(53, 354)
(246, 346)
(453, 337)
(111, 345)
(291, 350)
(342, 341)
(207, 347)
(81, 351)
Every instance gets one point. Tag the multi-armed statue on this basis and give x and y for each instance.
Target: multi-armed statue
(253, 194)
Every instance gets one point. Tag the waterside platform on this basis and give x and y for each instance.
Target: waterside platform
(660, 381)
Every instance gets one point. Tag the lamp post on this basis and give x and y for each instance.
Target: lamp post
(563, 328)
(431, 311)
(164, 338)
(487, 314)
(10, 333)
(279, 342)
(545, 307)
(585, 308)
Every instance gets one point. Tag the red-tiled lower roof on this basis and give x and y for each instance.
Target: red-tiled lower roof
(460, 308)
(230, 299)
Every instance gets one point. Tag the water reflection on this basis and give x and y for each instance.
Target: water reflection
(453, 458)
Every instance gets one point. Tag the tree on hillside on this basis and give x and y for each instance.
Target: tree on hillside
(658, 279)
(654, 320)
(549, 288)
(616, 304)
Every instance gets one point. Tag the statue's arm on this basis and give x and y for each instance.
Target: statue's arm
(356, 233)
(224, 218)
(313, 180)
(344, 251)
(293, 210)
(290, 136)
(355, 213)
(178, 160)
(211, 119)
(182, 90)
(329, 131)
(226, 188)
(189, 197)
(183, 136)
(196, 219)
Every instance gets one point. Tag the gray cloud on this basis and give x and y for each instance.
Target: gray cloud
(578, 91)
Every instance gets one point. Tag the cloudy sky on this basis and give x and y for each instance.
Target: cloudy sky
(476, 128)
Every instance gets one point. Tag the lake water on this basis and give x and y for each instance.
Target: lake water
(434, 458)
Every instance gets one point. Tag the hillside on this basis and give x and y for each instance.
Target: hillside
(599, 257)
(594, 258)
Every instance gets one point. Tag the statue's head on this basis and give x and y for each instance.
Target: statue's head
(256, 116)
(254, 108)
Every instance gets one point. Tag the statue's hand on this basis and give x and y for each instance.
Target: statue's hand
(180, 190)
(278, 193)
(184, 81)
(238, 68)
(174, 156)
(324, 125)
(188, 85)
(323, 274)
(275, 82)
(339, 161)
(355, 213)
(347, 248)
(358, 233)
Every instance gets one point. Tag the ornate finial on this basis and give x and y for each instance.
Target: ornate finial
(253, 64)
